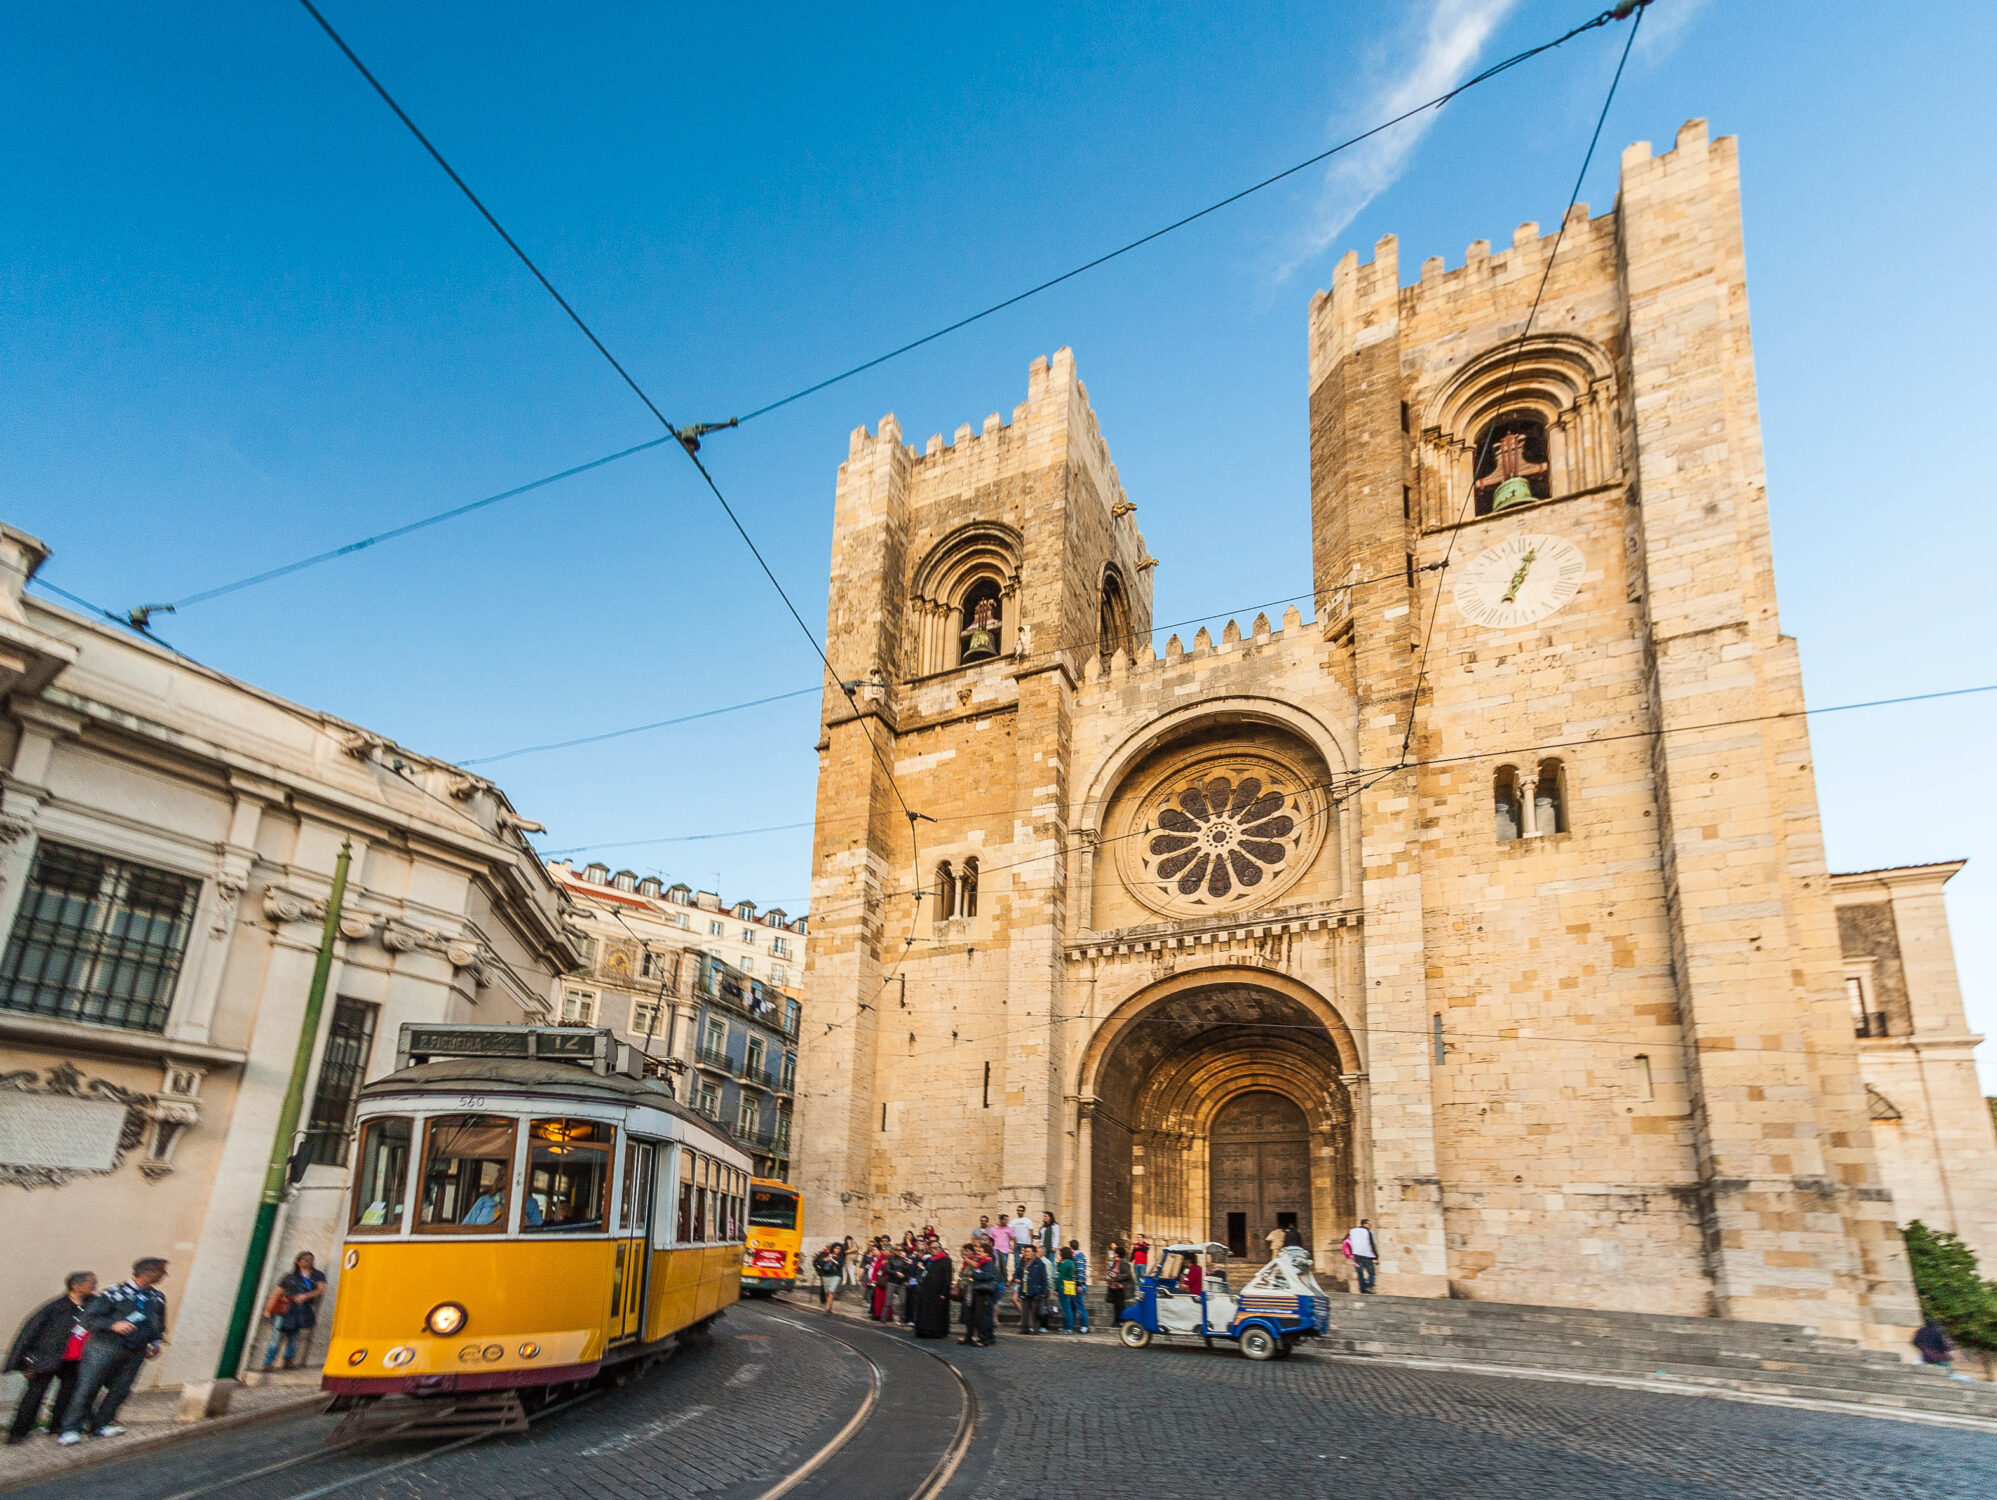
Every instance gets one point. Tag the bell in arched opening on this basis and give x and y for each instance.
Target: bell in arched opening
(980, 633)
(1512, 465)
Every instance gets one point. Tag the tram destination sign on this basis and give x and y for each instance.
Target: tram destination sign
(421, 1042)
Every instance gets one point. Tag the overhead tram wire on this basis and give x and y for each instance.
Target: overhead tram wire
(1344, 785)
(1618, 13)
(687, 437)
(347, 549)
(1363, 776)
(1046, 652)
(1545, 276)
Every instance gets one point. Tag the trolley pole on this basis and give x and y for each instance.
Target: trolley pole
(287, 1126)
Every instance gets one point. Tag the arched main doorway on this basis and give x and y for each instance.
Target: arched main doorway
(1217, 1108)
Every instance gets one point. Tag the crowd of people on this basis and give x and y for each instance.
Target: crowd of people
(1027, 1271)
(89, 1345)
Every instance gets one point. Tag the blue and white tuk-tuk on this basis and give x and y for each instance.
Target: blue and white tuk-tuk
(1281, 1305)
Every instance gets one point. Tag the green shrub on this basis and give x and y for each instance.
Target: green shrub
(1951, 1291)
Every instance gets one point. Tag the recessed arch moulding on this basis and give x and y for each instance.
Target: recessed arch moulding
(1166, 1063)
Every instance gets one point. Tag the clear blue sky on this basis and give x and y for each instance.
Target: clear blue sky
(245, 318)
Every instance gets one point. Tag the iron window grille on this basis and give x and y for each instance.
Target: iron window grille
(97, 939)
(342, 1070)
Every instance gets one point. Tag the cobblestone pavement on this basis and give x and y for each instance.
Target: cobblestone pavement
(1083, 1417)
(1072, 1416)
(721, 1422)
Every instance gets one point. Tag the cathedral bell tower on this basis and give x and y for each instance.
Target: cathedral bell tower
(1605, 1041)
(970, 583)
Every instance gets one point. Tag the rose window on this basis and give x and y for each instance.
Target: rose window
(1223, 834)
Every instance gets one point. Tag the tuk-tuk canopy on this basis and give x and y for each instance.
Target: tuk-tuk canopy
(1210, 1248)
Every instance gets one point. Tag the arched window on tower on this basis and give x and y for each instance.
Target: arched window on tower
(967, 889)
(1512, 467)
(1508, 815)
(946, 892)
(1549, 799)
(981, 618)
(1113, 627)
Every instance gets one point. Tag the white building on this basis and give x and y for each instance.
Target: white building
(705, 987)
(167, 842)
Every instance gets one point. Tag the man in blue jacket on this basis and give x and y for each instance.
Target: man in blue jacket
(127, 1325)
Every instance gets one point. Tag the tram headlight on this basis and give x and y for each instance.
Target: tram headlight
(528, 1351)
(358, 1357)
(445, 1319)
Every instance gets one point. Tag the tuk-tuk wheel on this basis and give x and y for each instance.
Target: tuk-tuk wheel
(1134, 1335)
(1257, 1343)
(1289, 1347)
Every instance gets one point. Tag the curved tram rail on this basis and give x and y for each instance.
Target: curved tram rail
(872, 1404)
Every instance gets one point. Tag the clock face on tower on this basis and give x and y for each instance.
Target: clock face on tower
(1520, 580)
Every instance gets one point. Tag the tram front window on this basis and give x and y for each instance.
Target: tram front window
(381, 1185)
(568, 1176)
(467, 1165)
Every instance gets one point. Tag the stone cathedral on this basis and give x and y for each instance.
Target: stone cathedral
(1489, 903)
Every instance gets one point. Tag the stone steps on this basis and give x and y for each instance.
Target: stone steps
(1770, 1358)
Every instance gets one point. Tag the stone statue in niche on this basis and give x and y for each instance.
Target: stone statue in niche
(981, 635)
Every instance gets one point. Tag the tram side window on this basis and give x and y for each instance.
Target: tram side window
(381, 1185)
(568, 1176)
(467, 1173)
(693, 1197)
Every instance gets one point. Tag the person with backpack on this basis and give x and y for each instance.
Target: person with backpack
(830, 1271)
(48, 1350)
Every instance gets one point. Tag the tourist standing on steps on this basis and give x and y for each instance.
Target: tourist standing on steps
(1275, 1239)
(1068, 1284)
(1293, 1237)
(1022, 1236)
(127, 1326)
(1049, 1233)
(49, 1348)
(1364, 1249)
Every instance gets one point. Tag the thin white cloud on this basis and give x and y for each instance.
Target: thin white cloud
(1451, 43)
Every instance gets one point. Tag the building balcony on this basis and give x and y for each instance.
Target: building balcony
(716, 1058)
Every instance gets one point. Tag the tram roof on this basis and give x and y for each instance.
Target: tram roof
(505, 1075)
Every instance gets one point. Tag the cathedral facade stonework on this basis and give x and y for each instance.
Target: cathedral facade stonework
(1489, 903)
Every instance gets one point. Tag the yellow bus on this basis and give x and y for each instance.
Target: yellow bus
(770, 1257)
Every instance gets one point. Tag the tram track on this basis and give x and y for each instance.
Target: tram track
(940, 1473)
(904, 1439)
(323, 1453)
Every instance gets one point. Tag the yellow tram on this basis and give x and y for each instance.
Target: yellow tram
(527, 1211)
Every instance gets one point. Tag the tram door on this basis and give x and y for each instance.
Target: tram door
(634, 1245)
